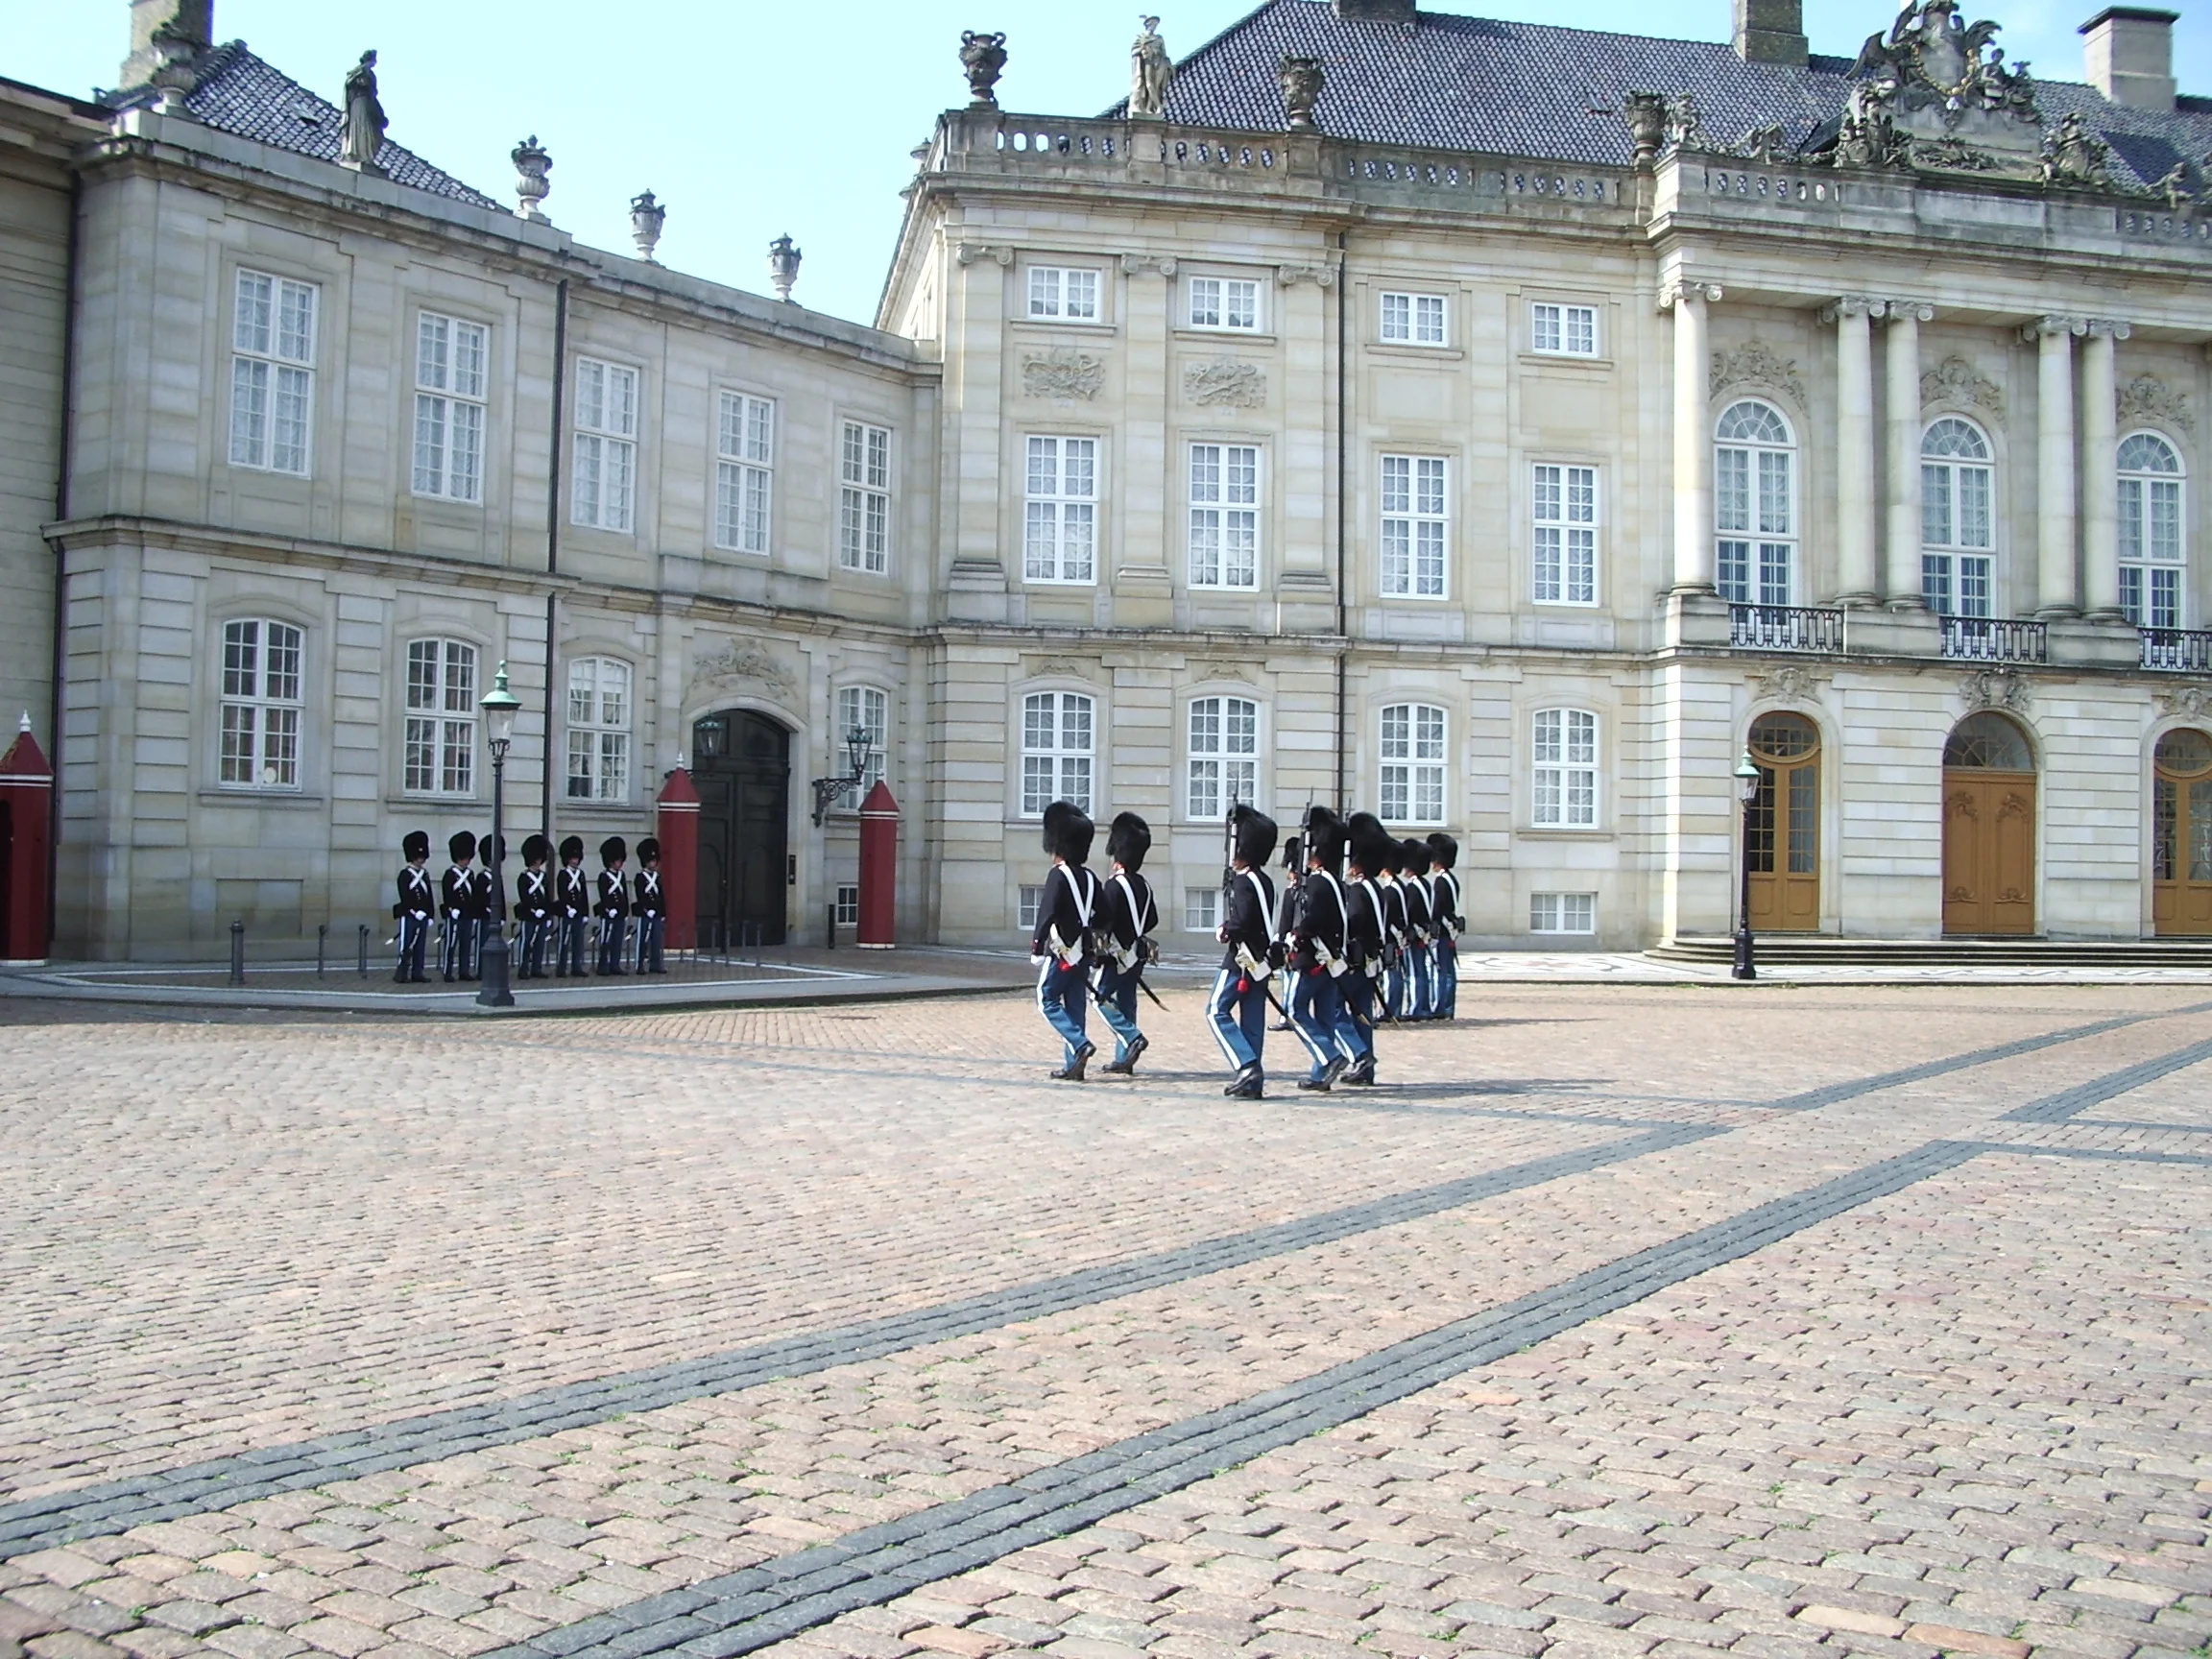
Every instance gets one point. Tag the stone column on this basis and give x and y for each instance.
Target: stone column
(1901, 365)
(2100, 471)
(1858, 582)
(1692, 435)
(2058, 593)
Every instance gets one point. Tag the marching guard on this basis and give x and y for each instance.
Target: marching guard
(1130, 916)
(1061, 948)
(1322, 919)
(457, 959)
(414, 909)
(1420, 935)
(1364, 947)
(1237, 1009)
(534, 908)
(571, 910)
(1444, 918)
(651, 908)
(1389, 857)
(614, 904)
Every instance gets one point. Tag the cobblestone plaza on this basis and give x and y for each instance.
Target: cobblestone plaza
(840, 1331)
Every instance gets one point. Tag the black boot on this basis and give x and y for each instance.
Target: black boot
(1126, 1065)
(1247, 1085)
(1072, 1072)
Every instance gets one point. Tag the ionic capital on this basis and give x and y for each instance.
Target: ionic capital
(2107, 325)
(1689, 288)
(969, 252)
(1137, 264)
(1852, 305)
(1290, 275)
(2047, 328)
(1908, 311)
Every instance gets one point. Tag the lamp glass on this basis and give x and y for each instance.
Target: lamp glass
(500, 706)
(856, 747)
(1747, 775)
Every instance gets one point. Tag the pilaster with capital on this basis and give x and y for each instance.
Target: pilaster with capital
(1693, 566)
(974, 396)
(1858, 581)
(1306, 487)
(1143, 580)
(2101, 471)
(2057, 588)
(1901, 372)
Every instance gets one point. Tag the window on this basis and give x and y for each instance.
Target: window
(1224, 515)
(273, 372)
(598, 730)
(1063, 294)
(1754, 505)
(1056, 737)
(864, 503)
(449, 361)
(1565, 510)
(1201, 909)
(440, 737)
(1413, 319)
(1562, 912)
(869, 711)
(1565, 771)
(1413, 764)
(260, 742)
(1956, 535)
(1414, 526)
(1224, 302)
(606, 445)
(1224, 754)
(2151, 555)
(848, 907)
(744, 455)
(1027, 900)
(1060, 513)
(1567, 330)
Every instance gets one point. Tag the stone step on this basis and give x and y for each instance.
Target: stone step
(1806, 950)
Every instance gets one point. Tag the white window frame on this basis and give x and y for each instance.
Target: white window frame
(869, 707)
(261, 665)
(1558, 329)
(1563, 769)
(864, 498)
(601, 700)
(744, 473)
(1563, 913)
(1058, 767)
(848, 905)
(1221, 732)
(1053, 294)
(2145, 569)
(1416, 526)
(1968, 570)
(1413, 744)
(1407, 318)
(1226, 483)
(1201, 909)
(274, 325)
(603, 494)
(1754, 562)
(1225, 304)
(1027, 902)
(1565, 513)
(438, 738)
(453, 406)
(1060, 510)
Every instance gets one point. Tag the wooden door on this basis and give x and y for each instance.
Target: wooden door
(1988, 852)
(1784, 826)
(741, 769)
(2181, 835)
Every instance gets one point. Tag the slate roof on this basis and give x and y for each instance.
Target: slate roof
(243, 94)
(1550, 93)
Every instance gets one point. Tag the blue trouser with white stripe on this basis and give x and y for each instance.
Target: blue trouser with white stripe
(1419, 1001)
(568, 946)
(1063, 995)
(1237, 1013)
(1117, 999)
(1317, 1014)
(457, 958)
(414, 934)
(1358, 993)
(1445, 996)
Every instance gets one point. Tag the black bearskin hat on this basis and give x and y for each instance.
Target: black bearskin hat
(416, 844)
(485, 847)
(1415, 852)
(1443, 850)
(572, 846)
(535, 849)
(1325, 839)
(1369, 843)
(1067, 831)
(1128, 840)
(648, 850)
(613, 850)
(461, 845)
(1255, 835)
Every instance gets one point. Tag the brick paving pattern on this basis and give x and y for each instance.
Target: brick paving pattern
(1959, 1407)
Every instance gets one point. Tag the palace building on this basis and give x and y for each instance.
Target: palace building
(1500, 426)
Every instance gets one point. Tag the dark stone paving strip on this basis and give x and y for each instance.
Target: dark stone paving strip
(1832, 1093)
(2071, 1102)
(117, 1506)
(741, 1612)
(2108, 1154)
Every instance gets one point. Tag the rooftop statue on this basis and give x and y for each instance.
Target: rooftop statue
(1149, 72)
(1942, 77)
(362, 135)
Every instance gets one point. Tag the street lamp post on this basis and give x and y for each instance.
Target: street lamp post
(1746, 966)
(500, 706)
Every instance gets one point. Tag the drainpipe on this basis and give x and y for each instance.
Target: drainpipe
(553, 544)
(1343, 509)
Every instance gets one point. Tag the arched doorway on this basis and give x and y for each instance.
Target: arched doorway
(1783, 829)
(2181, 833)
(741, 766)
(1988, 827)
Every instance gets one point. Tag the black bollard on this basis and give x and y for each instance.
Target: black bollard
(829, 923)
(322, 933)
(364, 949)
(237, 952)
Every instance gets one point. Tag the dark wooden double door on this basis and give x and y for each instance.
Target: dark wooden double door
(741, 766)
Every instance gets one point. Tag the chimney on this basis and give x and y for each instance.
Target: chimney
(1770, 31)
(1374, 10)
(191, 20)
(2129, 56)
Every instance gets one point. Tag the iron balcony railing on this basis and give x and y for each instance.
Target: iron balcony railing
(2178, 650)
(1784, 628)
(1992, 640)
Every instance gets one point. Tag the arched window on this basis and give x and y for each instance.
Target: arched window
(1412, 750)
(598, 730)
(1563, 774)
(261, 685)
(1989, 742)
(1755, 505)
(1224, 754)
(441, 735)
(1057, 742)
(2152, 558)
(1958, 537)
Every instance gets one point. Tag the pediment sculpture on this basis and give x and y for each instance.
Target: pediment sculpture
(1942, 75)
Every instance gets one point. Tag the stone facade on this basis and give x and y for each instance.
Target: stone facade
(1407, 458)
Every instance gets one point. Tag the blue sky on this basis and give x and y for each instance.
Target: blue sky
(749, 121)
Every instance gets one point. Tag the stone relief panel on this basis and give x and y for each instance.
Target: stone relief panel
(2187, 701)
(1952, 384)
(747, 664)
(1788, 683)
(1062, 373)
(1238, 385)
(1755, 365)
(2148, 400)
(1994, 688)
